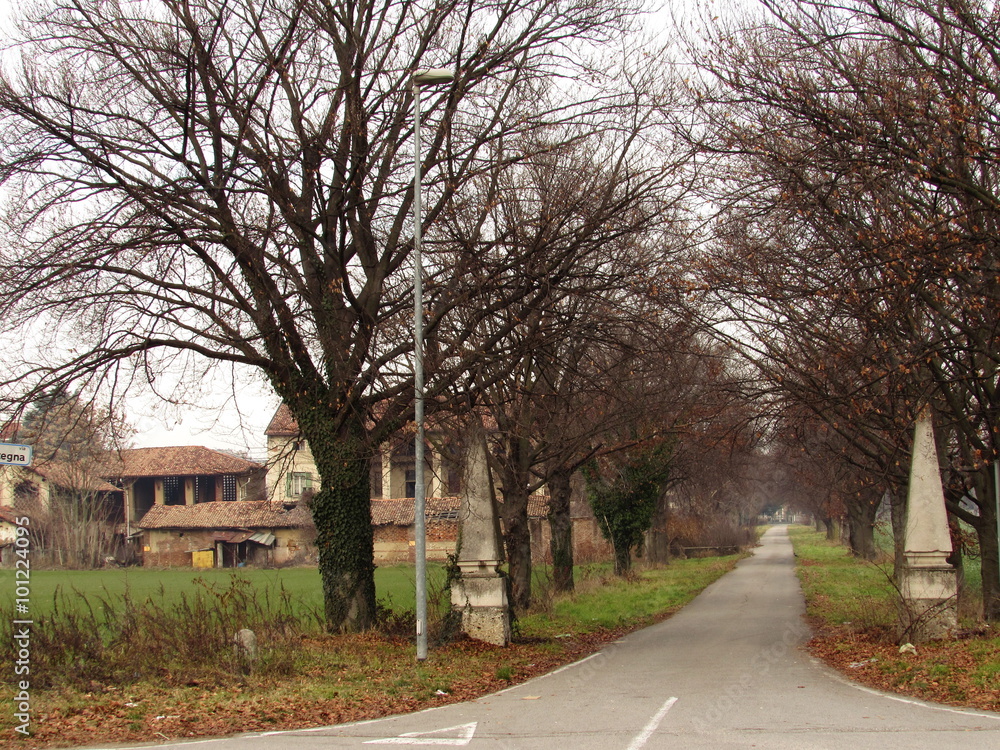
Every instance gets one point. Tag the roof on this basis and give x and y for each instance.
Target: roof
(8, 515)
(538, 506)
(9, 430)
(400, 512)
(72, 477)
(179, 461)
(239, 514)
(282, 424)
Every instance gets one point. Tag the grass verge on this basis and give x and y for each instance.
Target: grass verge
(305, 678)
(851, 605)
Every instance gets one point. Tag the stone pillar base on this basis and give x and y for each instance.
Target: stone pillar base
(482, 600)
(929, 603)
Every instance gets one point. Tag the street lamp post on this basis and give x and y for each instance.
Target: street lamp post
(421, 77)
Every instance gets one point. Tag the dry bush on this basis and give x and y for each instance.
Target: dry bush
(88, 641)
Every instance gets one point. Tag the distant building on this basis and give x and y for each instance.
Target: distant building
(184, 475)
(292, 468)
(227, 534)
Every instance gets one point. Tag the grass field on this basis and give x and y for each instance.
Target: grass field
(394, 585)
(840, 588)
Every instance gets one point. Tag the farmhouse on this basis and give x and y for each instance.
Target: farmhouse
(393, 472)
(8, 533)
(221, 533)
(190, 505)
(182, 476)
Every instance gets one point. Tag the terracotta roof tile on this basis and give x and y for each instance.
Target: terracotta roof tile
(282, 424)
(240, 514)
(538, 506)
(8, 432)
(179, 461)
(399, 512)
(72, 477)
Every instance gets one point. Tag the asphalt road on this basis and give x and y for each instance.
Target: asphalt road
(728, 671)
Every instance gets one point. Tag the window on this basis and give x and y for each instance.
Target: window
(243, 488)
(298, 481)
(411, 482)
(173, 491)
(228, 488)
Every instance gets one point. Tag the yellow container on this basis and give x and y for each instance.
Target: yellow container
(204, 558)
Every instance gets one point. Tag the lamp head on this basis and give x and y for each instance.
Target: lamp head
(427, 76)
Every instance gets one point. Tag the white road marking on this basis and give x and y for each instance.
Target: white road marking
(647, 731)
(465, 733)
(913, 702)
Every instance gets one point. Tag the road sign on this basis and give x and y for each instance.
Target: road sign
(15, 455)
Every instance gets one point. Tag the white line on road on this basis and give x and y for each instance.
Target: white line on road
(647, 731)
(464, 732)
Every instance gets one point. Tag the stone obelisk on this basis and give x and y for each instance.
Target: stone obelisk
(928, 584)
(481, 593)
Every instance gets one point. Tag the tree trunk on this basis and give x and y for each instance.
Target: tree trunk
(989, 551)
(517, 543)
(514, 511)
(956, 559)
(342, 513)
(985, 524)
(623, 559)
(561, 527)
(897, 506)
(861, 524)
(831, 528)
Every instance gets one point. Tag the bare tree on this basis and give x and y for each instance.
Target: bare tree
(590, 216)
(74, 511)
(203, 180)
(860, 214)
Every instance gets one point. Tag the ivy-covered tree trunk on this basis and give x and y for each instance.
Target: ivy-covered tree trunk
(515, 475)
(342, 513)
(624, 495)
(561, 527)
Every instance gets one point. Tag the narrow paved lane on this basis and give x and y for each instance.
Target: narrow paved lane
(728, 671)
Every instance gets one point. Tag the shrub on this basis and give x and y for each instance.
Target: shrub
(86, 641)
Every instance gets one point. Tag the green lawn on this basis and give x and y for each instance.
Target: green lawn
(604, 601)
(394, 585)
(840, 588)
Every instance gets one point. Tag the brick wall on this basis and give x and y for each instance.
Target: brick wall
(589, 545)
(172, 549)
